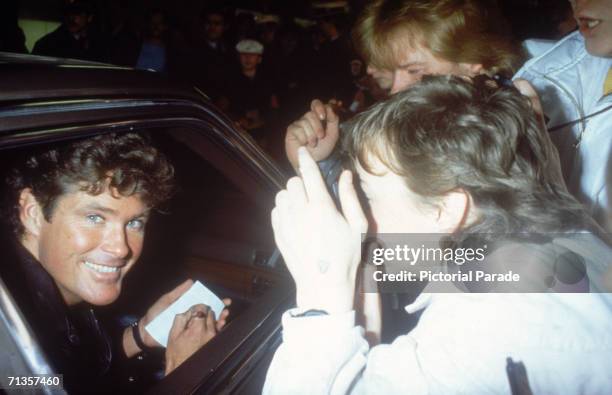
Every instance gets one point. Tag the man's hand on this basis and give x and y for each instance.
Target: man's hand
(190, 331)
(321, 247)
(160, 305)
(130, 348)
(317, 130)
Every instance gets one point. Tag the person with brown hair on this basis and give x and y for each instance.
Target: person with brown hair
(466, 162)
(413, 38)
(402, 41)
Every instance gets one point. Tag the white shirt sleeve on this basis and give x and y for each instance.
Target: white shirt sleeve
(329, 354)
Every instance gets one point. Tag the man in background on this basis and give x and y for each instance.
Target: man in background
(75, 38)
(251, 95)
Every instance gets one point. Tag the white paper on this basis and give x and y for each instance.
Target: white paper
(160, 327)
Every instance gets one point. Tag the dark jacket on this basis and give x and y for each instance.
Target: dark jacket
(74, 340)
(62, 44)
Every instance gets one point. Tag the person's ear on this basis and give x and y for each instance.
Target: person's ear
(454, 211)
(30, 212)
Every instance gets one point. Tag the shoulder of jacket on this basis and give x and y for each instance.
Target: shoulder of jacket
(562, 55)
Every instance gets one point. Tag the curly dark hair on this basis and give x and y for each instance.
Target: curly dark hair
(125, 162)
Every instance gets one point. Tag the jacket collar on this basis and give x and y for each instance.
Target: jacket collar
(566, 53)
(45, 295)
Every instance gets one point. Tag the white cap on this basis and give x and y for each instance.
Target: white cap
(250, 46)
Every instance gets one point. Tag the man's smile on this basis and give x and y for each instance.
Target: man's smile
(101, 268)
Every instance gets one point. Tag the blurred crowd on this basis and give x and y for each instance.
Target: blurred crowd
(261, 68)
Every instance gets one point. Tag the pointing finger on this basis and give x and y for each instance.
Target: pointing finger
(314, 185)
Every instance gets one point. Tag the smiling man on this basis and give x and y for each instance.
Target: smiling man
(79, 213)
(86, 247)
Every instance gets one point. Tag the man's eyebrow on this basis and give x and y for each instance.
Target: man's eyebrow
(103, 209)
(98, 207)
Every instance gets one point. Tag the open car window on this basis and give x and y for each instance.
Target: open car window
(215, 229)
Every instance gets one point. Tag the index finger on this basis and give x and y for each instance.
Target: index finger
(313, 181)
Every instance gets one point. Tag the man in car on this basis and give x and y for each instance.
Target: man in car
(78, 212)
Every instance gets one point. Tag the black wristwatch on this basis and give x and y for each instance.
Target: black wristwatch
(138, 340)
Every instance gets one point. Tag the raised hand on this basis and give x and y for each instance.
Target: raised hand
(321, 246)
(317, 130)
(190, 331)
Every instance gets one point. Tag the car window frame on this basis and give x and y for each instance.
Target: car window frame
(22, 355)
